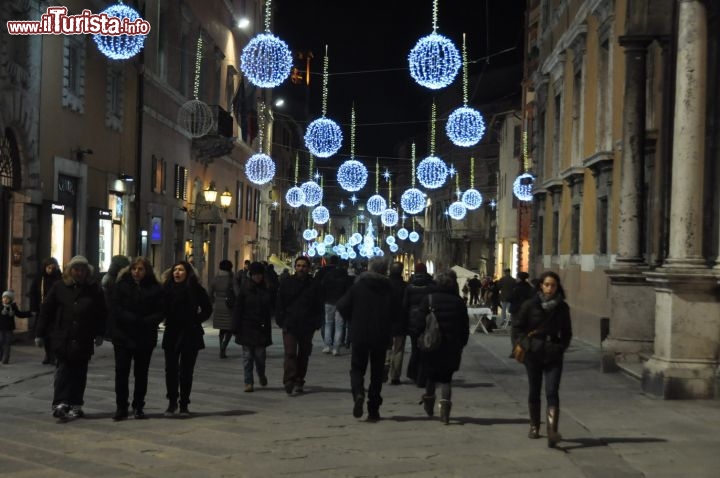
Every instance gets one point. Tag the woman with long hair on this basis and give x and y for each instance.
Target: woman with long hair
(134, 318)
(186, 307)
(543, 325)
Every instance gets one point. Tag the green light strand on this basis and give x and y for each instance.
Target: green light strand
(465, 73)
(472, 172)
(389, 192)
(526, 156)
(326, 62)
(311, 167)
(377, 176)
(198, 66)
(457, 182)
(352, 132)
(297, 167)
(268, 12)
(261, 125)
(413, 165)
(432, 129)
(322, 186)
(435, 15)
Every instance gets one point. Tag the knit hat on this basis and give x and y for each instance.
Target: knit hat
(256, 268)
(420, 267)
(78, 261)
(10, 294)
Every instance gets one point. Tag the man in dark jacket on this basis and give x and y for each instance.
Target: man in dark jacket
(335, 283)
(371, 307)
(74, 310)
(506, 284)
(421, 284)
(299, 313)
(394, 358)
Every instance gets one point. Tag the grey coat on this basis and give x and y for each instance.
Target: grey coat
(222, 316)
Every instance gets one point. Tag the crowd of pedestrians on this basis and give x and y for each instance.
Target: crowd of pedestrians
(371, 313)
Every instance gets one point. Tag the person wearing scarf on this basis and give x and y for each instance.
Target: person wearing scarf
(547, 315)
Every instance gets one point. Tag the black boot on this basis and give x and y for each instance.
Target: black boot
(553, 420)
(445, 406)
(428, 403)
(534, 409)
(224, 338)
(121, 413)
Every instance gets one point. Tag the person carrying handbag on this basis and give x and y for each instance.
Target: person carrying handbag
(543, 326)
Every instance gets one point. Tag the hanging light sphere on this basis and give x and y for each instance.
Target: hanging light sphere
(329, 239)
(313, 193)
(412, 201)
(308, 234)
(323, 137)
(321, 215)
(389, 217)
(394, 247)
(390, 240)
(376, 205)
(321, 249)
(311, 252)
(378, 252)
(465, 126)
(295, 197)
(357, 238)
(266, 61)
(434, 61)
(352, 175)
(432, 172)
(457, 210)
(315, 233)
(195, 118)
(402, 234)
(121, 47)
(260, 168)
(472, 199)
(523, 186)
(414, 236)
(352, 254)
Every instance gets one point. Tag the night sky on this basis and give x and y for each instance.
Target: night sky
(368, 46)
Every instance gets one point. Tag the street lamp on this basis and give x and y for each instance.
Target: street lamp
(225, 199)
(210, 193)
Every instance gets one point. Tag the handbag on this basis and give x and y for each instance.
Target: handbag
(523, 345)
(430, 338)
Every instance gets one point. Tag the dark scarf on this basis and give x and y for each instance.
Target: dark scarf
(549, 304)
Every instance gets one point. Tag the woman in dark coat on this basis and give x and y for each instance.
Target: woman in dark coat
(253, 309)
(38, 292)
(439, 365)
(222, 314)
(134, 319)
(546, 318)
(186, 307)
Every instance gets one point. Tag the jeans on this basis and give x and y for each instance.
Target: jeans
(253, 356)
(6, 337)
(70, 382)
(395, 357)
(297, 355)
(504, 315)
(179, 367)
(553, 373)
(334, 327)
(123, 358)
(361, 353)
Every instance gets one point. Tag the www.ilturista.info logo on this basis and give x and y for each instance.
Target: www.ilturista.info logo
(118, 31)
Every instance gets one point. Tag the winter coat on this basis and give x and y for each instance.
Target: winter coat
(136, 312)
(371, 307)
(8, 314)
(299, 308)
(73, 315)
(420, 285)
(186, 307)
(550, 341)
(335, 283)
(521, 292)
(400, 325)
(40, 287)
(251, 317)
(506, 284)
(454, 323)
(222, 315)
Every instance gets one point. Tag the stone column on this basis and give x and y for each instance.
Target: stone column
(631, 297)
(687, 306)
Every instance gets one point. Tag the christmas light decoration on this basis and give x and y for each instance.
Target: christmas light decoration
(389, 217)
(295, 197)
(434, 60)
(432, 171)
(308, 234)
(412, 200)
(357, 238)
(321, 215)
(329, 239)
(457, 210)
(323, 136)
(472, 197)
(341, 206)
(352, 175)
(414, 236)
(353, 199)
(321, 249)
(266, 60)
(523, 186)
(195, 118)
(352, 254)
(376, 205)
(390, 240)
(465, 126)
(121, 47)
(313, 193)
(311, 252)
(394, 248)
(402, 233)
(260, 168)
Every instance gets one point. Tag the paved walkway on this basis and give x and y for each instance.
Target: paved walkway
(611, 428)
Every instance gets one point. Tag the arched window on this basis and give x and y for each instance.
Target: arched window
(9, 161)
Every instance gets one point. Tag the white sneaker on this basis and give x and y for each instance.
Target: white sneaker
(76, 411)
(326, 350)
(335, 353)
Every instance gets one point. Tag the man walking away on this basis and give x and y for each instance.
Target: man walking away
(474, 284)
(334, 284)
(371, 307)
(421, 285)
(506, 284)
